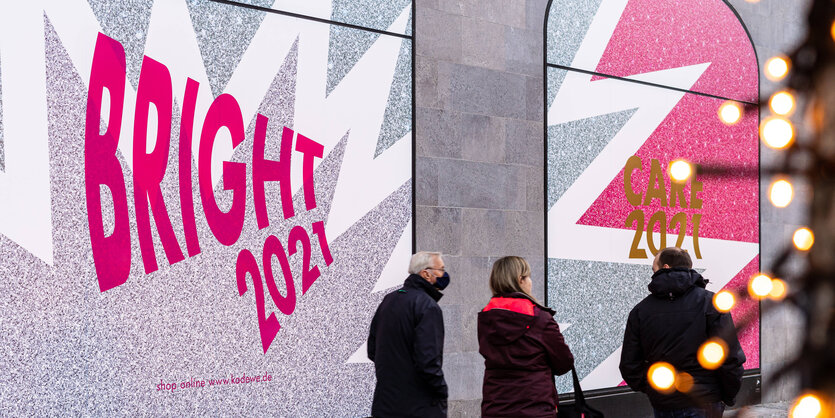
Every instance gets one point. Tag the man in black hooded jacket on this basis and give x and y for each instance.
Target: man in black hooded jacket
(406, 344)
(669, 326)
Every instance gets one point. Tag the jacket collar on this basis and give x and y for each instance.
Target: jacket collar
(416, 282)
(674, 282)
(518, 295)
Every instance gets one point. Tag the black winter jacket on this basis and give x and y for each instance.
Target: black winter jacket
(670, 325)
(406, 344)
(523, 349)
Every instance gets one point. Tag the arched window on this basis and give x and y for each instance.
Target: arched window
(631, 86)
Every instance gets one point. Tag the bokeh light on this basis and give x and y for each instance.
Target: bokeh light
(730, 112)
(803, 239)
(809, 405)
(724, 301)
(777, 132)
(680, 170)
(782, 103)
(776, 68)
(662, 377)
(712, 353)
(684, 382)
(778, 289)
(781, 193)
(759, 286)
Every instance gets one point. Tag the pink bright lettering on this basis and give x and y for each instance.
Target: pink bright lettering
(226, 226)
(111, 254)
(149, 168)
(309, 149)
(264, 170)
(186, 199)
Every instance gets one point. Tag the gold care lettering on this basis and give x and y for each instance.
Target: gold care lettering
(655, 188)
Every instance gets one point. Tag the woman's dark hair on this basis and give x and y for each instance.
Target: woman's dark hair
(675, 257)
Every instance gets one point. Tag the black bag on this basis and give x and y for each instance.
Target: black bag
(579, 409)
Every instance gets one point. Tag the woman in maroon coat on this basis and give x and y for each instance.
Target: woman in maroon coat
(522, 346)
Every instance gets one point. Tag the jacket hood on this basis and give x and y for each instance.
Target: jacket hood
(674, 282)
(508, 317)
(416, 282)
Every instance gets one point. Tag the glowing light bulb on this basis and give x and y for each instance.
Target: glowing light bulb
(782, 103)
(712, 353)
(807, 406)
(662, 377)
(730, 112)
(803, 239)
(776, 68)
(781, 193)
(759, 286)
(724, 301)
(832, 30)
(778, 290)
(777, 132)
(680, 170)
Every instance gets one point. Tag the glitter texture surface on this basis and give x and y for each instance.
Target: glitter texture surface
(573, 145)
(397, 121)
(373, 14)
(693, 132)
(594, 298)
(348, 45)
(568, 22)
(223, 34)
(654, 35)
(68, 349)
(127, 22)
(649, 36)
(555, 78)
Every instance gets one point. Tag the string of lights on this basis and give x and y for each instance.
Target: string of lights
(808, 74)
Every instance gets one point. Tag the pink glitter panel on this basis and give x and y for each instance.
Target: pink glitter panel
(657, 35)
(693, 132)
(746, 314)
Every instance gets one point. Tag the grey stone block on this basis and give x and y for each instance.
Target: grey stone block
(525, 233)
(437, 133)
(469, 280)
(534, 98)
(470, 408)
(481, 185)
(469, 326)
(438, 34)
(483, 43)
(535, 191)
(524, 52)
(525, 142)
(488, 92)
(535, 14)
(426, 4)
(426, 82)
(438, 229)
(485, 233)
(426, 181)
(453, 327)
(445, 70)
(464, 373)
(483, 138)
(450, 6)
(505, 12)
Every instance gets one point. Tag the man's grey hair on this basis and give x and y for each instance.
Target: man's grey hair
(422, 260)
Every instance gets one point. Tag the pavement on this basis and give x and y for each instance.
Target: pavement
(770, 410)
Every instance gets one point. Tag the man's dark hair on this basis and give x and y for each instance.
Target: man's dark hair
(675, 257)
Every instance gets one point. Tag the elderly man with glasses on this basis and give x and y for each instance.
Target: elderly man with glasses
(406, 344)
